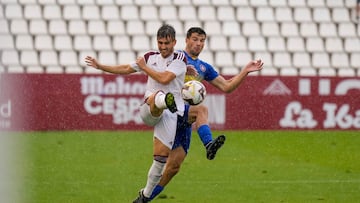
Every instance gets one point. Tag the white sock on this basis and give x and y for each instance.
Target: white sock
(154, 176)
(160, 100)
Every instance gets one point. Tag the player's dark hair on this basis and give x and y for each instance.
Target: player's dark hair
(166, 31)
(198, 30)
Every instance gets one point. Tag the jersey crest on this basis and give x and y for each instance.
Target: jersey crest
(202, 68)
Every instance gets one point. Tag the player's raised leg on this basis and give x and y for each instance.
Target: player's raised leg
(199, 115)
(160, 101)
(151, 111)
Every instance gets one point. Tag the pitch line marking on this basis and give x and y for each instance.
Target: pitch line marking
(303, 181)
(288, 181)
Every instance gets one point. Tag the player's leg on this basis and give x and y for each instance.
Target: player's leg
(177, 154)
(161, 153)
(151, 110)
(199, 115)
(164, 135)
(176, 158)
(160, 101)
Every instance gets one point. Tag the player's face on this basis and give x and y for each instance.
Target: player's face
(166, 46)
(195, 44)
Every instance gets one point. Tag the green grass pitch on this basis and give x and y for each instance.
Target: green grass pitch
(252, 166)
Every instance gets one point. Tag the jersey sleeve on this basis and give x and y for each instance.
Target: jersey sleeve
(146, 57)
(178, 65)
(210, 73)
(135, 67)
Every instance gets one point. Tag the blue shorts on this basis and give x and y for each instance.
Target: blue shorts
(183, 131)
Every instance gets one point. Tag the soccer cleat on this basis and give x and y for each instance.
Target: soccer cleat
(213, 146)
(141, 198)
(170, 102)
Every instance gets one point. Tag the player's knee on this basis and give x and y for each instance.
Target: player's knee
(174, 168)
(156, 112)
(203, 109)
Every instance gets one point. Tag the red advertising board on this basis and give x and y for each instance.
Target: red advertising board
(109, 102)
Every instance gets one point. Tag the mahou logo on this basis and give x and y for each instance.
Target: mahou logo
(118, 98)
(97, 85)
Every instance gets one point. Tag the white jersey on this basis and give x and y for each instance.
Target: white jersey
(175, 63)
(165, 126)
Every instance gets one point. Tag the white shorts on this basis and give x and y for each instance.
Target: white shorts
(146, 116)
(165, 129)
(164, 126)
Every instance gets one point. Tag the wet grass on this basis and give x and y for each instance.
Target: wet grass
(253, 166)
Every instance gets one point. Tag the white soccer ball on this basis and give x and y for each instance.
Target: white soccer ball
(193, 92)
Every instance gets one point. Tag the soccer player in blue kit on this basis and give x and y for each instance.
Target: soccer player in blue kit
(195, 41)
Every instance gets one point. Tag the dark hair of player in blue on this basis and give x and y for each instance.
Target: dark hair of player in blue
(166, 31)
(195, 30)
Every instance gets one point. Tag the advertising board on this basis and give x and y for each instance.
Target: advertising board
(40, 102)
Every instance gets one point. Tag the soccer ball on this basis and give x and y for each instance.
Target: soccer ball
(193, 92)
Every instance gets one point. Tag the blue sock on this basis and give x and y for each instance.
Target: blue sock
(205, 134)
(156, 191)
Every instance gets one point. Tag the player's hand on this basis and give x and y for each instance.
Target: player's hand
(90, 61)
(255, 65)
(140, 61)
(191, 71)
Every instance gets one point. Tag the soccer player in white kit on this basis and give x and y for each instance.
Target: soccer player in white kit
(163, 104)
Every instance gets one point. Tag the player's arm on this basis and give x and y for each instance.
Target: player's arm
(161, 77)
(116, 69)
(191, 74)
(231, 84)
(191, 71)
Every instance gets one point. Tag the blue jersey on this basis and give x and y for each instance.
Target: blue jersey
(206, 71)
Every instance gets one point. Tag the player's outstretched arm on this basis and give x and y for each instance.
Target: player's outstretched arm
(229, 85)
(116, 69)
